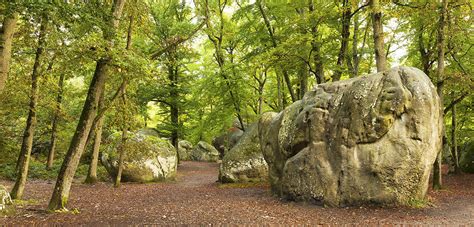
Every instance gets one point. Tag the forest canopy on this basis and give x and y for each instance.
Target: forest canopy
(75, 72)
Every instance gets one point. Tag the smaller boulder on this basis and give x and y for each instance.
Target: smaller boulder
(184, 150)
(204, 152)
(5, 198)
(148, 158)
(467, 158)
(245, 161)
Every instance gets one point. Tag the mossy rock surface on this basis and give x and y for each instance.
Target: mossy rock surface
(244, 162)
(204, 152)
(148, 158)
(370, 139)
(184, 150)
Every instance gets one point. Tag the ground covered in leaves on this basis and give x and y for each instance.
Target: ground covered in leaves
(196, 198)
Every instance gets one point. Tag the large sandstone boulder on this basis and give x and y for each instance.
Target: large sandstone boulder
(148, 157)
(5, 198)
(204, 152)
(466, 161)
(244, 162)
(184, 150)
(371, 139)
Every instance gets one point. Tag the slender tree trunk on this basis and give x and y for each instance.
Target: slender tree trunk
(355, 52)
(454, 144)
(270, 30)
(6, 39)
(122, 150)
(380, 56)
(125, 123)
(345, 33)
(97, 135)
(174, 109)
(316, 48)
(303, 80)
(54, 124)
(28, 134)
(60, 195)
(437, 178)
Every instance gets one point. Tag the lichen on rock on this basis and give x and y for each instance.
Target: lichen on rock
(204, 152)
(147, 157)
(244, 162)
(371, 139)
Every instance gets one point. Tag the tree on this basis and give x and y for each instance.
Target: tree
(63, 183)
(437, 175)
(6, 39)
(380, 55)
(28, 134)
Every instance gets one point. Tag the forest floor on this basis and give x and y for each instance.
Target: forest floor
(196, 198)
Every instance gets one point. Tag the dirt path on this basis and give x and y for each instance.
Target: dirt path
(196, 198)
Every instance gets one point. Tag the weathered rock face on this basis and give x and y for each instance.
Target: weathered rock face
(244, 162)
(466, 161)
(371, 139)
(204, 152)
(5, 198)
(148, 157)
(227, 141)
(184, 150)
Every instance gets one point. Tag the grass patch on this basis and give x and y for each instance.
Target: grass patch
(419, 203)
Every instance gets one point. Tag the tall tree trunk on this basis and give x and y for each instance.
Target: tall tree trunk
(316, 48)
(60, 195)
(454, 144)
(437, 179)
(6, 38)
(54, 124)
(174, 109)
(270, 30)
(303, 79)
(28, 134)
(125, 123)
(97, 135)
(353, 63)
(380, 56)
(122, 150)
(345, 33)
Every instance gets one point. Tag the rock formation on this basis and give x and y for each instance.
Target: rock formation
(244, 162)
(148, 157)
(184, 150)
(371, 139)
(204, 152)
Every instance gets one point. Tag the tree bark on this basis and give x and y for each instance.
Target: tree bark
(97, 127)
(437, 178)
(355, 52)
(125, 123)
(345, 33)
(380, 56)
(316, 48)
(454, 144)
(303, 79)
(28, 134)
(54, 124)
(60, 195)
(122, 150)
(6, 39)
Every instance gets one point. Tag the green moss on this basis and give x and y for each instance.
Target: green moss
(419, 203)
